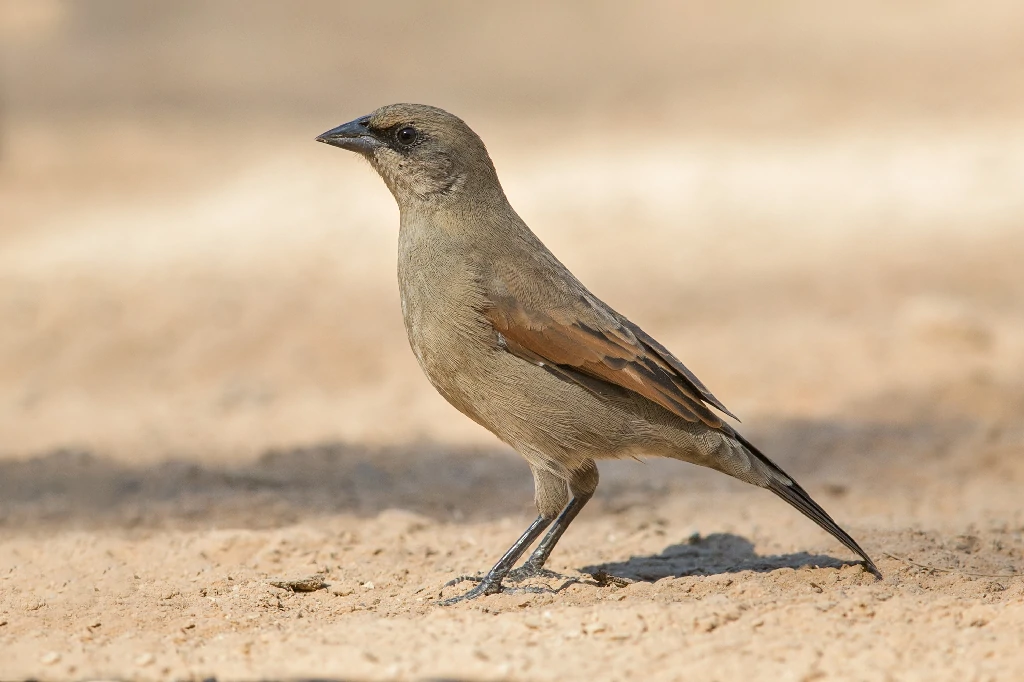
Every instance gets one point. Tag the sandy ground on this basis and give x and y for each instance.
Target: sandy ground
(205, 386)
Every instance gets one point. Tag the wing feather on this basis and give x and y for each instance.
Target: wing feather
(589, 344)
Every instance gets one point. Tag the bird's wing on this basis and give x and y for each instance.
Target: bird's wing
(580, 339)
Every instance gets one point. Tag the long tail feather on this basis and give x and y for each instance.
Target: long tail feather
(783, 485)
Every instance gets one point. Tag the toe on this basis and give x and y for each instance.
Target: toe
(526, 572)
(483, 589)
(463, 579)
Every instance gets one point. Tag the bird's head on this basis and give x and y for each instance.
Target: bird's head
(424, 154)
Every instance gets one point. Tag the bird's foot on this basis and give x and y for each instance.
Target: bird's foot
(485, 586)
(528, 571)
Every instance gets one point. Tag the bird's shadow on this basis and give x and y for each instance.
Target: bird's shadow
(714, 554)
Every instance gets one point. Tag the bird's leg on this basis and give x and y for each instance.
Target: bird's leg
(534, 566)
(582, 485)
(551, 494)
(491, 583)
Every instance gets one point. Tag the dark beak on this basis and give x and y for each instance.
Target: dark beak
(354, 136)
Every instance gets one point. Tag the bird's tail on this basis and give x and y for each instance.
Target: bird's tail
(783, 485)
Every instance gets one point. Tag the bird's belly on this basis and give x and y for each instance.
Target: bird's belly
(553, 423)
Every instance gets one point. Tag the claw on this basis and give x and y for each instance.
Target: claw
(484, 588)
(487, 586)
(528, 571)
(462, 579)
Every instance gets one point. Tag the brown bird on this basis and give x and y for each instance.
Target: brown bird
(516, 343)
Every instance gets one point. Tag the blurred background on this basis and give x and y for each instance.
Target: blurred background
(816, 205)
(205, 380)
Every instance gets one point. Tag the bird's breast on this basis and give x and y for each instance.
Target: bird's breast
(441, 304)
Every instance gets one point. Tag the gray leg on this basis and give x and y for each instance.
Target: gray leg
(582, 485)
(552, 498)
(491, 583)
(551, 494)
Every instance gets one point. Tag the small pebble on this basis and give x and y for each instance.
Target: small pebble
(310, 583)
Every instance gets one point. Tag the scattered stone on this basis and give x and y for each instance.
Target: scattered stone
(310, 583)
(607, 580)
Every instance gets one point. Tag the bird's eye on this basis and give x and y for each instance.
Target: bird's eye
(406, 136)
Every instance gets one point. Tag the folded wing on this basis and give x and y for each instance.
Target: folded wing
(586, 342)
